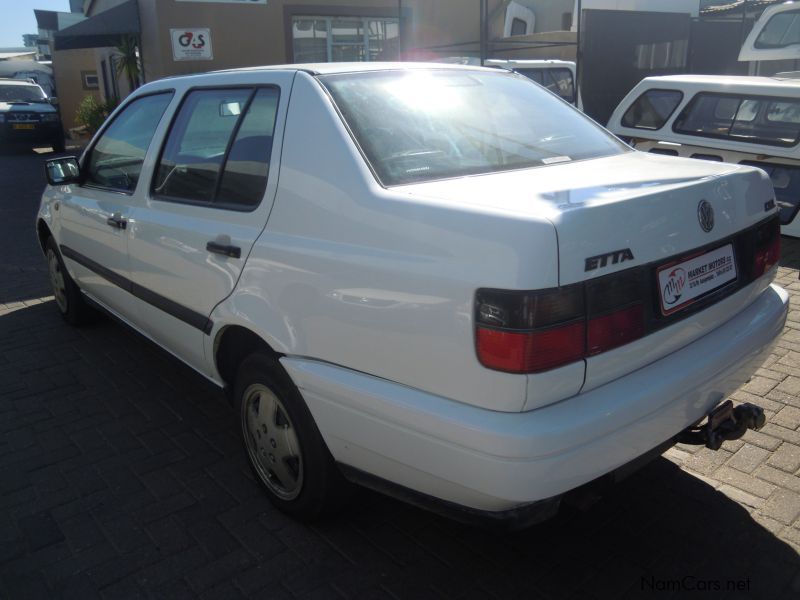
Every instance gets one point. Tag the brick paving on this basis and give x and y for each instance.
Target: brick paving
(122, 476)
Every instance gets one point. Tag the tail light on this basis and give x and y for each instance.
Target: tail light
(531, 332)
(768, 248)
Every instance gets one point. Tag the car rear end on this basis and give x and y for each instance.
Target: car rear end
(660, 304)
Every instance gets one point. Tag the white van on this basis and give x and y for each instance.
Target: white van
(744, 120)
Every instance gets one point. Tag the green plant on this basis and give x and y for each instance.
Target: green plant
(128, 61)
(91, 113)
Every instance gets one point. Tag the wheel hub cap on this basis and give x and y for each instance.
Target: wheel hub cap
(57, 280)
(272, 442)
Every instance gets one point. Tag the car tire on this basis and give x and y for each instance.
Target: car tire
(284, 447)
(59, 145)
(68, 297)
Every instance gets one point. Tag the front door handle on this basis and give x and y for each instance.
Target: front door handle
(224, 249)
(117, 222)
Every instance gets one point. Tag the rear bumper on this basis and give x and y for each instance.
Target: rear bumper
(494, 461)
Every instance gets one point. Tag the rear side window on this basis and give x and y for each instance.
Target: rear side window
(219, 148)
(245, 175)
(652, 109)
(750, 119)
(782, 30)
(115, 161)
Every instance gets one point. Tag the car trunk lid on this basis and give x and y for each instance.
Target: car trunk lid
(624, 224)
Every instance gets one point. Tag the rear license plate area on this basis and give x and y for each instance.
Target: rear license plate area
(682, 283)
(23, 126)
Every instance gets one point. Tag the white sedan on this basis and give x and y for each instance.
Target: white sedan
(442, 282)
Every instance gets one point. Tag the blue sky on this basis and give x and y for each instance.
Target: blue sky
(16, 18)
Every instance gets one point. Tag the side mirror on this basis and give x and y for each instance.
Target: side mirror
(53, 100)
(62, 171)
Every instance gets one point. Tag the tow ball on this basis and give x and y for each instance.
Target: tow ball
(724, 423)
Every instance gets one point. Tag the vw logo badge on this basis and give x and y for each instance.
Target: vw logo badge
(705, 214)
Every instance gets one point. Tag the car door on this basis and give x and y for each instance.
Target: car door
(209, 199)
(95, 214)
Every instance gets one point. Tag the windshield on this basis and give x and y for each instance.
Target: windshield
(423, 125)
(21, 93)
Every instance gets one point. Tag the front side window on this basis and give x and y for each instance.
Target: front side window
(344, 39)
(433, 124)
(781, 31)
(751, 119)
(116, 159)
(219, 147)
(652, 109)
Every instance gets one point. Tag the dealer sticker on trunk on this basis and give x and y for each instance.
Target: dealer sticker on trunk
(683, 283)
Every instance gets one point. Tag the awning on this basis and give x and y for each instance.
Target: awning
(102, 30)
(9, 55)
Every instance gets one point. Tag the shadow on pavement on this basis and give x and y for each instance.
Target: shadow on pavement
(121, 470)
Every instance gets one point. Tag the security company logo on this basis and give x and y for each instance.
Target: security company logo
(191, 44)
(189, 39)
(705, 214)
(673, 289)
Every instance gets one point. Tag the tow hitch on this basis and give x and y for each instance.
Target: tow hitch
(724, 423)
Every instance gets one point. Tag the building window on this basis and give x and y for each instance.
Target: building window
(341, 39)
(90, 80)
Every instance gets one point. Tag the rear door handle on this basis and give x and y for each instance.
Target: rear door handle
(117, 222)
(224, 249)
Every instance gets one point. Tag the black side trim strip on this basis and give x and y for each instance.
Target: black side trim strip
(180, 312)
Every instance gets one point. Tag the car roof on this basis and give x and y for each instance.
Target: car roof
(708, 82)
(532, 62)
(10, 81)
(356, 67)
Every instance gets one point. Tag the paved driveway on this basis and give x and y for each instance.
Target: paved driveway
(121, 475)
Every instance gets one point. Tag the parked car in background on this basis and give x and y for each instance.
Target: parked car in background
(28, 117)
(442, 282)
(751, 121)
(558, 76)
(775, 35)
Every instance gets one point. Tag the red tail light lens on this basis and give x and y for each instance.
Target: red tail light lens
(768, 249)
(530, 332)
(615, 329)
(530, 352)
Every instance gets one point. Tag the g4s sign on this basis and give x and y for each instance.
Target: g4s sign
(191, 44)
(188, 39)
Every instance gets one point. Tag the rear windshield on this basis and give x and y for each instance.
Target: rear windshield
(652, 109)
(424, 125)
(750, 119)
(21, 93)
